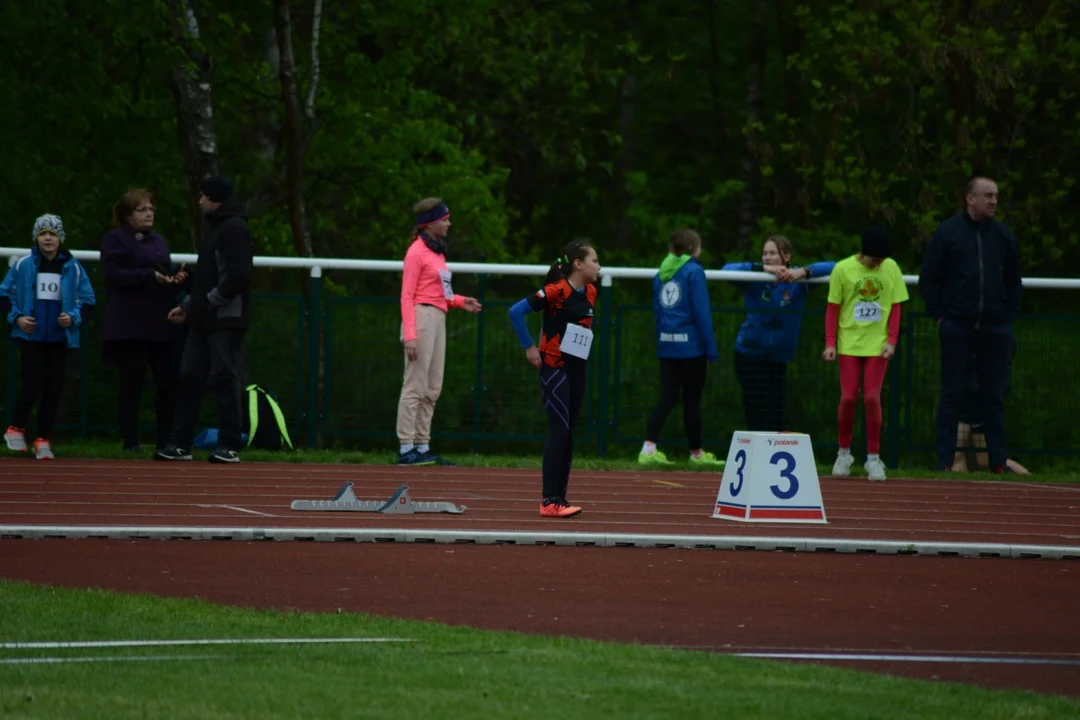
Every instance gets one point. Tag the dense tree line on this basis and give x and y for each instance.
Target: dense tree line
(544, 121)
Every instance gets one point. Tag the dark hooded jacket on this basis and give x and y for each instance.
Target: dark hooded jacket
(221, 285)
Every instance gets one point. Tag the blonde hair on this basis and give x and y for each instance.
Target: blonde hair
(426, 204)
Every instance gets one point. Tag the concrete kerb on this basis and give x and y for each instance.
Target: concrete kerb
(920, 548)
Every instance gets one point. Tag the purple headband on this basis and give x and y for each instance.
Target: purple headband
(434, 215)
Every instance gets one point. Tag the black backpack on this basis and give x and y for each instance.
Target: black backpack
(263, 420)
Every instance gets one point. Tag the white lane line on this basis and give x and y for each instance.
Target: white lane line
(57, 660)
(208, 641)
(238, 509)
(961, 659)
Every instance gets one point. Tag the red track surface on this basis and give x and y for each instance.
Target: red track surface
(726, 601)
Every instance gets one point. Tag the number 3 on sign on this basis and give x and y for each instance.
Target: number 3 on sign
(787, 474)
(740, 457)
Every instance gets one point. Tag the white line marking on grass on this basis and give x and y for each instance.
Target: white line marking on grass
(238, 509)
(56, 660)
(208, 641)
(910, 658)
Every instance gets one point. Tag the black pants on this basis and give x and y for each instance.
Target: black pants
(992, 347)
(211, 360)
(686, 375)
(563, 390)
(44, 372)
(764, 392)
(132, 357)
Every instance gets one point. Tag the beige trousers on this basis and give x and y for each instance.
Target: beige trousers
(423, 377)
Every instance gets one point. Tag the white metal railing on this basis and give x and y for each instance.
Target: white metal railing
(316, 265)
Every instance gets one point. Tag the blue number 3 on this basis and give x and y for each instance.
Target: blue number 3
(793, 488)
(740, 457)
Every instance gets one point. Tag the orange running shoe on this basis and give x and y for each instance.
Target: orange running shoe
(558, 509)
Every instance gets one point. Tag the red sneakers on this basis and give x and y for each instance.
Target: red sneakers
(558, 509)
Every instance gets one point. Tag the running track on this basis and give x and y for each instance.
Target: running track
(993, 621)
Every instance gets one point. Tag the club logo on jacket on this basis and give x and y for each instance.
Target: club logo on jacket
(670, 294)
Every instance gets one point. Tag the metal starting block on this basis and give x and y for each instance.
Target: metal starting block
(400, 503)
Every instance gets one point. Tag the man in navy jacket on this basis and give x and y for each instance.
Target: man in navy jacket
(970, 281)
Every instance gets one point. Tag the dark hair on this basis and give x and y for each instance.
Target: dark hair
(684, 241)
(564, 264)
(125, 206)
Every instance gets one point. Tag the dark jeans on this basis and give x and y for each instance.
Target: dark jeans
(211, 360)
(563, 390)
(44, 371)
(992, 347)
(688, 376)
(764, 392)
(131, 358)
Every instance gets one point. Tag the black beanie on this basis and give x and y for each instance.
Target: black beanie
(876, 242)
(217, 188)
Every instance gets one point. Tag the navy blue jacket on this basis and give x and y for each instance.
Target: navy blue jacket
(683, 314)
(971, 272)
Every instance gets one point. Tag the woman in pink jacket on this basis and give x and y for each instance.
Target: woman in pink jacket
(426, 296)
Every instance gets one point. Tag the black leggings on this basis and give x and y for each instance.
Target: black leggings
(563, 390)
(687, 375)
(44, 370)
(764, 392)
(132, 357)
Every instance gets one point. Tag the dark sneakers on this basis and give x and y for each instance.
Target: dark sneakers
(172, 453)
(415, 457)
(223, 455)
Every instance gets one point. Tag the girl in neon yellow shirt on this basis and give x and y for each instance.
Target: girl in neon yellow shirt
(862, 324)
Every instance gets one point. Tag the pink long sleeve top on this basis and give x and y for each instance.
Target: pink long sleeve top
(426, 281)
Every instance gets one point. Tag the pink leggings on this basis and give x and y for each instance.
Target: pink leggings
(872, 372)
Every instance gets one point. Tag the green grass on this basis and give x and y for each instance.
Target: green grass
(584, 461)
(443, 672)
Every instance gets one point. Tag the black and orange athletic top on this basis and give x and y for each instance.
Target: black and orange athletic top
(562, 304)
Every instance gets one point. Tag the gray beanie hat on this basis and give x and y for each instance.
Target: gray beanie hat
(50, 223)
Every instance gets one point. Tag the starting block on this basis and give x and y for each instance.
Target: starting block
(770, 477)
(400, 503)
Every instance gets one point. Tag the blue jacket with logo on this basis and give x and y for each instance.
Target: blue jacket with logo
(682, 310)
(773, 335)
(19, 289)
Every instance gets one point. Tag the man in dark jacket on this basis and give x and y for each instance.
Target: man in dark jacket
(970, 281)
(217, 312)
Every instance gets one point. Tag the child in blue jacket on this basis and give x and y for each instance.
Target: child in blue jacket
(685, 341)
(47, 295)
(770, 333)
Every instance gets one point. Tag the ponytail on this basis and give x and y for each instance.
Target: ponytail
(564, 264)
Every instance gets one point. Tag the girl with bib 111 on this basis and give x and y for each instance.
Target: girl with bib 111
(568, 301)
(862, 324)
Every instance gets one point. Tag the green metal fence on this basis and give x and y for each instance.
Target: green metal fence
(336, 368)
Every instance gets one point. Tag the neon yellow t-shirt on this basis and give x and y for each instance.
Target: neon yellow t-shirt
(865, 297)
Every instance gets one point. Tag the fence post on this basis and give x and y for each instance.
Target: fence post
(605, 318)
(314, 346)
(84, 390)
(895, 385)
(479, 386)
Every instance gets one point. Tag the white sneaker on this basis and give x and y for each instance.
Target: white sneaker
(875, 468)
(15, 439)
(43, 450)
(842, 466)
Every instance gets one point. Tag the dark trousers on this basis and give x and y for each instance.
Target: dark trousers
(211, 361)
(44, 371)
(688, 376)
(132, 358)
(563, 390)
(992, 347)
(764, 392)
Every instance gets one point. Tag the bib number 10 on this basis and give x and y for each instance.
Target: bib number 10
(786, 473)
